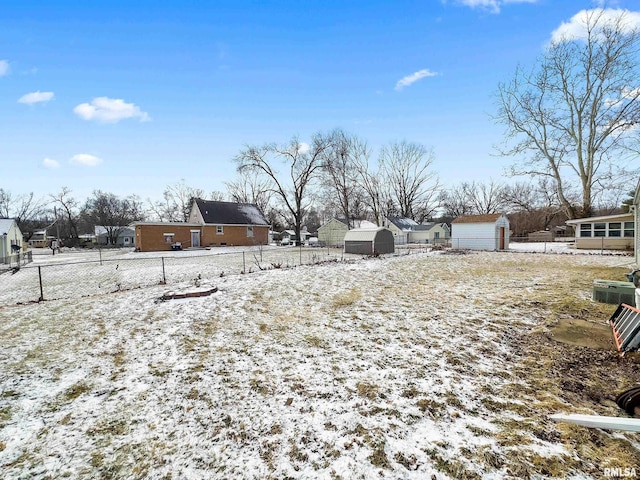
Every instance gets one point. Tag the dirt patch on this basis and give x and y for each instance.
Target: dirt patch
(584, 334)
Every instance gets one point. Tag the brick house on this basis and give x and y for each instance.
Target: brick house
(210, 224)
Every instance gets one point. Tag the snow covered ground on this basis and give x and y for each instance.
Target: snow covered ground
(429, 365)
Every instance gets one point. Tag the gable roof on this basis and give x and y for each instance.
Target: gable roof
(5, 225)
(364, 234)
(403, 223)
(491, 218)
(230, 213)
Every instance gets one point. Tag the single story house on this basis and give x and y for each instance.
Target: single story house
(332, 232)
(290, 235)
(40, 239)
(610, 232)
(125, 236)
(406, 230)
(400, 227)
(432, 233)
(210, 223)
(480, 232)
(11, 241)
(366, 241)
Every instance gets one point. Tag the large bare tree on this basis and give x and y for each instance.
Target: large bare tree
(340, 165)
(176, 203)
(113, 213)
(69, 208)
(249, 188)
(413, 186)
(301, 162)
(23, 208)
(571, 116)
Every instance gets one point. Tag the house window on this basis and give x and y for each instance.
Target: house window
(436, 235)
(168, 237)
(599, 229)
(219, 230)
(615, 229)
(126, 240)
(585, 229)
(628, 229)
(250, 231)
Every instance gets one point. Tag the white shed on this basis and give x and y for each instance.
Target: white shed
(480, 232)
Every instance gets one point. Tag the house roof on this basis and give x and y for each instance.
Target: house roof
(230, 213)
(363, 234)
(5, 225)
(403, 223)
(604, 218)
(491, 218)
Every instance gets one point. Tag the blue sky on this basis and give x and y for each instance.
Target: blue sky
(128, 97)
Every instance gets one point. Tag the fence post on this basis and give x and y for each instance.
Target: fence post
(164, 277)
(244, 263)
(100, 252)
(300, 252)
(40, 279)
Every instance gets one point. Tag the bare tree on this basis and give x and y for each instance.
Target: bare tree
(570, 118)
(485, 197)
(23, 208)
(217, 196)
(249, 188)
(302, 162)
(69, 207)
(533, 206)
(113, 213)
(176, 203)
(340, 162)
(376, 193)
(413, 186)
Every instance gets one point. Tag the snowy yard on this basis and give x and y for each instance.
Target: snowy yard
(428, 365)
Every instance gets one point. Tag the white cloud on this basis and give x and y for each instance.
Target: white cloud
(50, 163)
(575, 29)
(492, 6)
(109, 110)
(4, 68)
(303, 147)
(86, 160)
(35, 97)
(414, 77)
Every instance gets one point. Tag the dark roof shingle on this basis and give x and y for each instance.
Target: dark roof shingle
(230, 213)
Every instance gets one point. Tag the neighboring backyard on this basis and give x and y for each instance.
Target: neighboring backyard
(429, 365)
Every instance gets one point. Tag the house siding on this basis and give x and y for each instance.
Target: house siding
(150, 237)
(332, 233)
(13, 237)
(590, 242)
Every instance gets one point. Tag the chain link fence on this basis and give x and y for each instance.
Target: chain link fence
(59, 277)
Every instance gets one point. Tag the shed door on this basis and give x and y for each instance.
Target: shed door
(502, 231)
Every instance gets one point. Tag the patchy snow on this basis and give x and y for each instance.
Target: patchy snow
(384, 368)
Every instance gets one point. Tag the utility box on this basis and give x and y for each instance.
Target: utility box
(615, 293)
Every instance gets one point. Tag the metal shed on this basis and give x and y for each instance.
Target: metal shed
(369, 241)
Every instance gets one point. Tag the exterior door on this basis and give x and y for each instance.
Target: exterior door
(195, 239)
(502, 238)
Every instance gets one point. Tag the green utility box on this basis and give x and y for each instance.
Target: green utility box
(610, 291)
